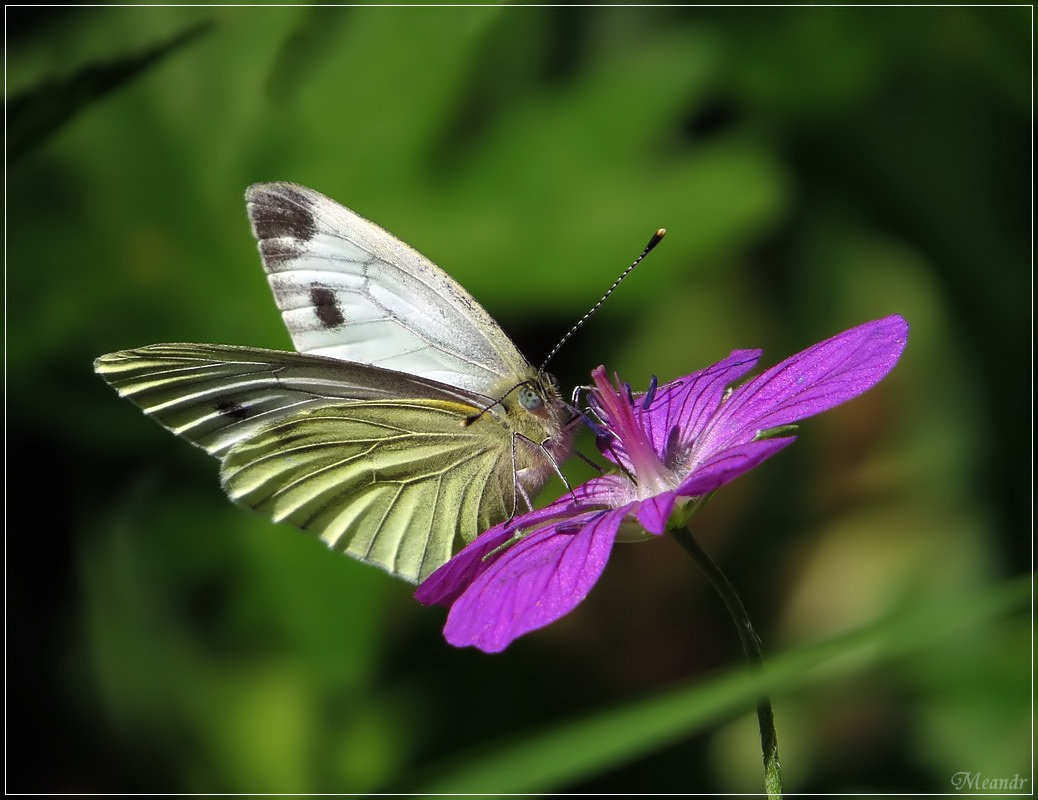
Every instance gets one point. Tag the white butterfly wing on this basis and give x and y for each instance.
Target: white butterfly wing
(349, 290)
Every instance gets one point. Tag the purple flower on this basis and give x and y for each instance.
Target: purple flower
(670, 445)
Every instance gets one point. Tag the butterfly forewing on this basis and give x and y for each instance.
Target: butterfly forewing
(349, 290)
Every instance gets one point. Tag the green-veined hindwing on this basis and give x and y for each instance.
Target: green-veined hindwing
(407, 422)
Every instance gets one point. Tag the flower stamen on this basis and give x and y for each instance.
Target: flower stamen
(650, 393)
(650, 474)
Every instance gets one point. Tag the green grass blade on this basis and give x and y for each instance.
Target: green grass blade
(554, 758)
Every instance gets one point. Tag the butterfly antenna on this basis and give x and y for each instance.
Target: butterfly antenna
(655, 240)
(475, 417)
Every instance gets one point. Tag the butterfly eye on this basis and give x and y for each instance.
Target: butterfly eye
(529, 399)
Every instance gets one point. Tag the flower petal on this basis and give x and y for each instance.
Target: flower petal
(814, 380)
(682, 408)
(447, 583)
(679, 409)
(533, 582)
(654, 512)
(729, 464)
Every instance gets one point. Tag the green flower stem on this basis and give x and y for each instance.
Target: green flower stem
(751, 647)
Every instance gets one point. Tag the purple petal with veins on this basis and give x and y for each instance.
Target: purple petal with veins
(444, 585)
(728, 464)
(533, 582)
(814, 380)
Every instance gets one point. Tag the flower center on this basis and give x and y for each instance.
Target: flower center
(635, 448)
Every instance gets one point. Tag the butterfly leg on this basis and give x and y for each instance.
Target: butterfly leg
(518, 536)
(575, 397)
(542, 446)
(518, 484)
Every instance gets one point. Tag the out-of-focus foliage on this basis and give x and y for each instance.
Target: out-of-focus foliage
(816, 168)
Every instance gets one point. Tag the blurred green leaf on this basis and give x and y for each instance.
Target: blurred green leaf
(35, 114)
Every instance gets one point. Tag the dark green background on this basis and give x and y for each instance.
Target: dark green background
(816, 168)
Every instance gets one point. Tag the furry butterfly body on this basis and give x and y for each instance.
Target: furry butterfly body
(405, 424)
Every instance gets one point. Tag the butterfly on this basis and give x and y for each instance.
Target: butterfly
(406, 423)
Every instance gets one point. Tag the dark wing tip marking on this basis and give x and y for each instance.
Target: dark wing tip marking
(281, 211)
(326, 306)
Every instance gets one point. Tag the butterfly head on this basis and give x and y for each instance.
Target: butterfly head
(540, 397)
(530, 399)
(538, 402)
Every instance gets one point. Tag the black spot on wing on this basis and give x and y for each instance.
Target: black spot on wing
(231, 409)
(326, 306)
(282, 212)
